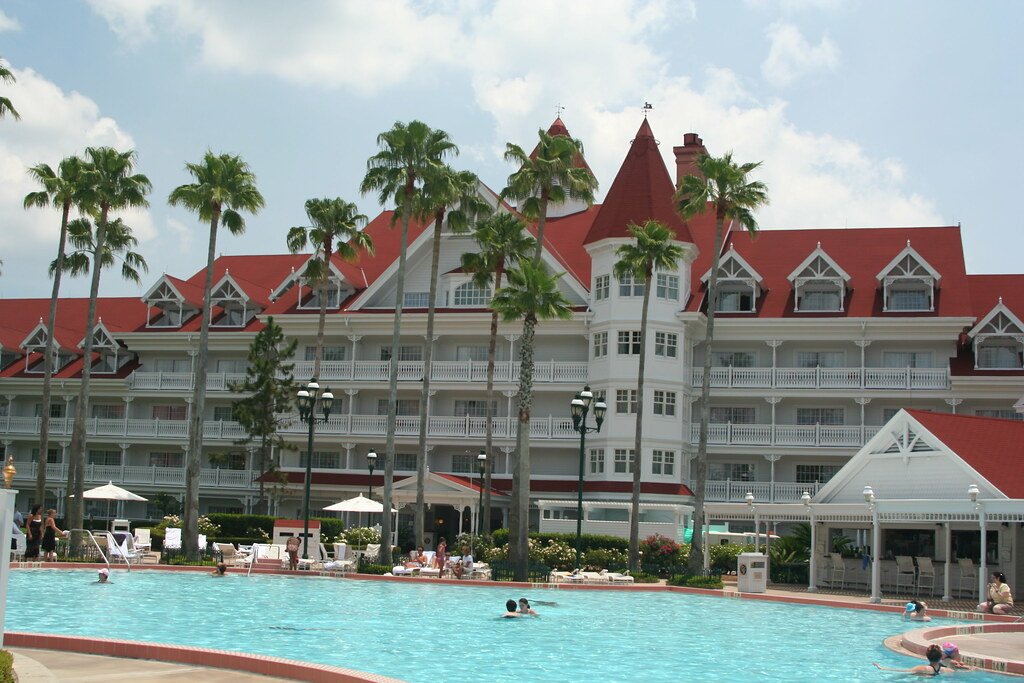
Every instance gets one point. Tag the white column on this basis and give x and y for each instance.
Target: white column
(354, 338)
(876, 562)
(812, 579)
(462, 509)
(947, 595)
(953, 403)
(774, 344)
(983, 565)
(6, 523)
(771, 489)
(863, 344)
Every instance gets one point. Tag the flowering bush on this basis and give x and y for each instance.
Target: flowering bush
(661, 551)
(206, 527)
(724, 556)
(604, 558)
(557, 555)
(361, 536)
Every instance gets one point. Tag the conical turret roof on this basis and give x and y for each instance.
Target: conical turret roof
(558, 128)
(642, 190)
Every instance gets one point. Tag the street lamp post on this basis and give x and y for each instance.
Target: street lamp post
(371, 462)
(481, 462)
(580, 407)
(307, 399)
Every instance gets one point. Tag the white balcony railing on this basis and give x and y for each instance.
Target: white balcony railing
(764, 491)
(825, 378)
(182, 381)
(786, 435)
(137, 474)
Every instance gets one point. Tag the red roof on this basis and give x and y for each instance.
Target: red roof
(642, 190)
(993, 447)
(558, 128)
(258, 275)
(471, 483)
(563, 238)
(987, 290)
(862, 253)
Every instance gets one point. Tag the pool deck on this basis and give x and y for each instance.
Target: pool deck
(995, 643)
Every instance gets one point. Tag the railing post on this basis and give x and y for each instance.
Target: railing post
(729, 375)
(817, 433)
(908, 377)
(551, 427)
(728, 432)
(817, 377)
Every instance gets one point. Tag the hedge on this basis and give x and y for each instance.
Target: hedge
(587, 541)
(6, 667)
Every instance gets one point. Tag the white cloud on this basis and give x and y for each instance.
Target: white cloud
(182, 233)
(54, 124)
(8, 23)
(791, 56)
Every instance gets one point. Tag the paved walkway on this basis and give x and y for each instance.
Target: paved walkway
(50, 666)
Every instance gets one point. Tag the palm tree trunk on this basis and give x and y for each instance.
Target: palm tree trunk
(190, 521)
(634, 516)
(396, 337)
(696, 560)
(76, 474)
(492, 343)
(541, 222)
(44, 424)
(428, 359)
(520, 531)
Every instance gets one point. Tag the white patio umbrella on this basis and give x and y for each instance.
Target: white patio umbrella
(109, 492)
(358, 504)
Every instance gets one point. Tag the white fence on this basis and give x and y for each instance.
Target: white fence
(764, 491)
(826, 378)
(136, 474)
(786, 435)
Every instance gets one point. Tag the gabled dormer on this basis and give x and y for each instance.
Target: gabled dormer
(908, 283)
(35, 342)
(819, 284)
(998, 340)
(237, 308)
(112, 354)
(739, 284)
(309, 293)
(461, 292)
(169, 304)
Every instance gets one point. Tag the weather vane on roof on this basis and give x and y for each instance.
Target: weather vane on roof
(647, 107)
(558, 111)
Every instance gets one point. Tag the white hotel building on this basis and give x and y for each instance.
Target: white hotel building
(822, 336)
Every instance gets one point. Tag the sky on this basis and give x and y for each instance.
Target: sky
(864, 114)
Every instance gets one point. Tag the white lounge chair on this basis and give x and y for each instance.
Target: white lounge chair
(429, 569)
(230, 556)
(372, 553)
(925, 575)
(968, 573)
(172, 539)
(617, 577)
(122, 544)
(594, 577)
(143, 540)
(838, 571)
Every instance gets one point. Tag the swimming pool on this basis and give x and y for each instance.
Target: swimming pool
(421, 631)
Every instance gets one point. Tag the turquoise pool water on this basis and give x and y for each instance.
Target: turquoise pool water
(419, 631)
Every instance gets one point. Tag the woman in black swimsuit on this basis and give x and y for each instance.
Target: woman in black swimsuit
(34, 537)
(932, 668)
(50, 532)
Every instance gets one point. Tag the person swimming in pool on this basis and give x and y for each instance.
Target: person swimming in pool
(525, 609)
(103, 575)
(219, 570)
(510, 610)
(951, 656)
(934, 667)
(916, 611)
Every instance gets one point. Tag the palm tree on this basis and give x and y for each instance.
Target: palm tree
(408, 152)
(722, 186)
(224, 185)
(5, 104)
(502, 241)
(530, 295)
(114, 186)
(654, 249)
(67, 188)
(454, 195)
(334, 228)
(549, 175)
(96, 248)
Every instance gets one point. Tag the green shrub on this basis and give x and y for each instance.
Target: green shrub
(362, 536)
(723, 557)
(604, 558)
(330, 528)
(661, 551)
(704, 582)
(6, 667)
(242, 525)
(643, 577)
(588, 541)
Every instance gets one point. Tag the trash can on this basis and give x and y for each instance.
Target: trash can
(752, 573)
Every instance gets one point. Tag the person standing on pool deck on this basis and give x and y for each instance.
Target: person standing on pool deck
(34, 535)
(50, 532)
(1000, 599)
(292, 548)
(439, 554)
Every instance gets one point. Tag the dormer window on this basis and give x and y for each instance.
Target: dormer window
(739, 284)
(166, 304)
(998, 340)
(236, 306)
(908, 283)
(309, 294)
(470, 295)
(112, 355)
(819, 284)
(35, 343)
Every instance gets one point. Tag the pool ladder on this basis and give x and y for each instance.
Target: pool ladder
(110, 540)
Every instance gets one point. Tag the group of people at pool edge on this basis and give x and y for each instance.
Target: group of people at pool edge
(458, 565)
(945, 656)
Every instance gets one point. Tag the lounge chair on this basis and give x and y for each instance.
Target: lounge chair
(838, 571)
(925, 575)
(122, 544)
(429, 569)
(617, 577)
(905, 571)
(372, 553)
(968, 573)
(481, 571)
(230, 556)
(594, 577)
(172, 540)
(142, 540)
(825, 571)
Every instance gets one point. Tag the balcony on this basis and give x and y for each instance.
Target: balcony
(142, 428)
(132, 474)
(182, 381)
(839, 436)
(825, 378)
(764, 491)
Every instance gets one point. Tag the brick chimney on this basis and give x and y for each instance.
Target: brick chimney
(686, 156)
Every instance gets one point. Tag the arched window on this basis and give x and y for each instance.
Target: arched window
(469, 294)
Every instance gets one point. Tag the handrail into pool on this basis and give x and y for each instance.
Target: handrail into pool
(112, 543)
(98, 548)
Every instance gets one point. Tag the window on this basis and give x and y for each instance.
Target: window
(469, 294)
(627, 286)
(416, 300)
(170, 412)
(224, 414)
(625, 401)
(406, 406)
(333, 295)
(735, 359)
(107, 411)
(322, 460)
(625, 459)
(998, 356)
(1001, 413)
(913, 542)
(743, 415)
(667, 286)
(475, 353)
(732, 301)
(666, 344)
(663, 462)
(107, 458)
(720, 471)
(330, 353)
(56, 409)
(968, 544)
(474, 408)
(597, 461)
(107, 363)
(665, 403)
(170, 365)
(235, 365)
(601, 287)
(629, 343)
(464, 463)
(53, 456)
(405, 353)
(907, 359)
(820, 359)
(5, 409)
(909, 298)
(167, 459)
(811, 474)
(888, 414)
(600, 344)
(824, 416)
(405, 462)
(819, 300)
(171, 318)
